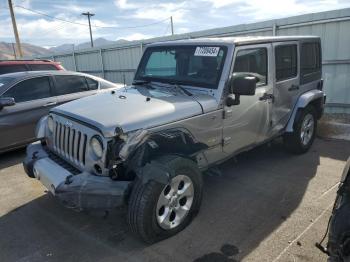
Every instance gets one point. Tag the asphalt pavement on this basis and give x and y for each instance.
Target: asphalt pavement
(264, 205)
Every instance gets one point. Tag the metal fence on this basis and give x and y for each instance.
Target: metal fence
(118, 63)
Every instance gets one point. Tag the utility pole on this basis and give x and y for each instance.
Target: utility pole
(172, 25)
(88, 14)
(18, 43)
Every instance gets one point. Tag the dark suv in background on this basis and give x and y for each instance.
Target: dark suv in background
(11, 66)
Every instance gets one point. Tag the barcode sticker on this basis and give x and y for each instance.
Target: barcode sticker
(207, 51)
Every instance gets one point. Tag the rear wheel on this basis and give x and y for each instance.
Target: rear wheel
(301, 139)
(157, 211)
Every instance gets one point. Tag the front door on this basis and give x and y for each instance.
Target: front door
(33, 99)
(248, 123)
(287, 82)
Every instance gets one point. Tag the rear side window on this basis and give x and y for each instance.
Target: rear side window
(93, 84)
(31, 89)
(310, 59)
(252, 61)
(40, 67)
(286, 62)
(70, 84)
(12, 69)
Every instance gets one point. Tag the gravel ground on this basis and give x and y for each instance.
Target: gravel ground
(264, 205)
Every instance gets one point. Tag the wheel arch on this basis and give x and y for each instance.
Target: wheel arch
(315, 98)
(148, 160)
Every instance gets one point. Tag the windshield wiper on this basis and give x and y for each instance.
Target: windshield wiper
(182, 89)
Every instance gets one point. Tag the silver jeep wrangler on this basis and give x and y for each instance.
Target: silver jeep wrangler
(193, 104)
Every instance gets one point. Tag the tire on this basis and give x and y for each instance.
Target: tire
(301, 139)
(152, 202)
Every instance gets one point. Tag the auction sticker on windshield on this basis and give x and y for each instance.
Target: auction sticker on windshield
(207, 51)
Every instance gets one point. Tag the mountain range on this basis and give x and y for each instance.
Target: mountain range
(97, 42)
(7, 50)
(29, 50)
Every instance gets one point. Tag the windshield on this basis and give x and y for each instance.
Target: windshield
(4, 81)
(187, 65)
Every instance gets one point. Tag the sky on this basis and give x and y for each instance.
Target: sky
(149, 18)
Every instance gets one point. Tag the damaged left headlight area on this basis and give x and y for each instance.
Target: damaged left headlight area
(127, 154)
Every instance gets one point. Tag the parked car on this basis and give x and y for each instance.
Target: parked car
(27, 96)
(338, 246)
(194, 103)
(12, 66)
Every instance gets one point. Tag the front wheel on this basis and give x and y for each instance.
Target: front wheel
(157, 211)
(301, 139)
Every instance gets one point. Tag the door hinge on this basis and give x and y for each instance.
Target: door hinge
(226, 113)
(225, 140)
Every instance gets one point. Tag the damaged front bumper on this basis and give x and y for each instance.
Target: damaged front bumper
(80, 191)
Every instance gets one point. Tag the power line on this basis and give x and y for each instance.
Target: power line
(96, 26)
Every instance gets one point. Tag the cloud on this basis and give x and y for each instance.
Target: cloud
(258, 10)
(123, 4)
(223, 3)
(22, 11)
(188, 16)
(162, 11)
(48, 31)
(73, 8)
(136, 36)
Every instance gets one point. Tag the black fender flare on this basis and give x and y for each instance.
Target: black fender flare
(149, 159)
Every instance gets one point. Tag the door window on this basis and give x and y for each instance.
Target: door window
(310, 58)
(286, 62)
(252, 61)
(31, 89)
(93, 84)
(66, 84)
(39, 67)
(12, 69)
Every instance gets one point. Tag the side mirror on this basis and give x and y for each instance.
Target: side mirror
(6, 101)
(241, 84)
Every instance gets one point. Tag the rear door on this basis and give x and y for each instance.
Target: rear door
(33, 99)
(71, 87)
(286, 89)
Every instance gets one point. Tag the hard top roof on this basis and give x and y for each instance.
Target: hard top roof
(237, 40)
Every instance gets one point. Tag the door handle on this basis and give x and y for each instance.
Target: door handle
(293, 88)
(50, 104)
(266, 96)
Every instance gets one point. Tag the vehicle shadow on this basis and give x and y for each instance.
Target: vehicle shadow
(12, 158)
(245, 199)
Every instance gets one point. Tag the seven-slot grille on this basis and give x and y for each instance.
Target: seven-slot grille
(69, 143)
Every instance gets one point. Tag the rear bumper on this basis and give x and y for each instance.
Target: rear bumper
(79, 191)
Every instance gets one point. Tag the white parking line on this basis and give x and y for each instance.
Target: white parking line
(302, 233)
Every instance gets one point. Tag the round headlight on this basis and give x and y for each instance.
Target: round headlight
(97, 146)
(50, 123)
